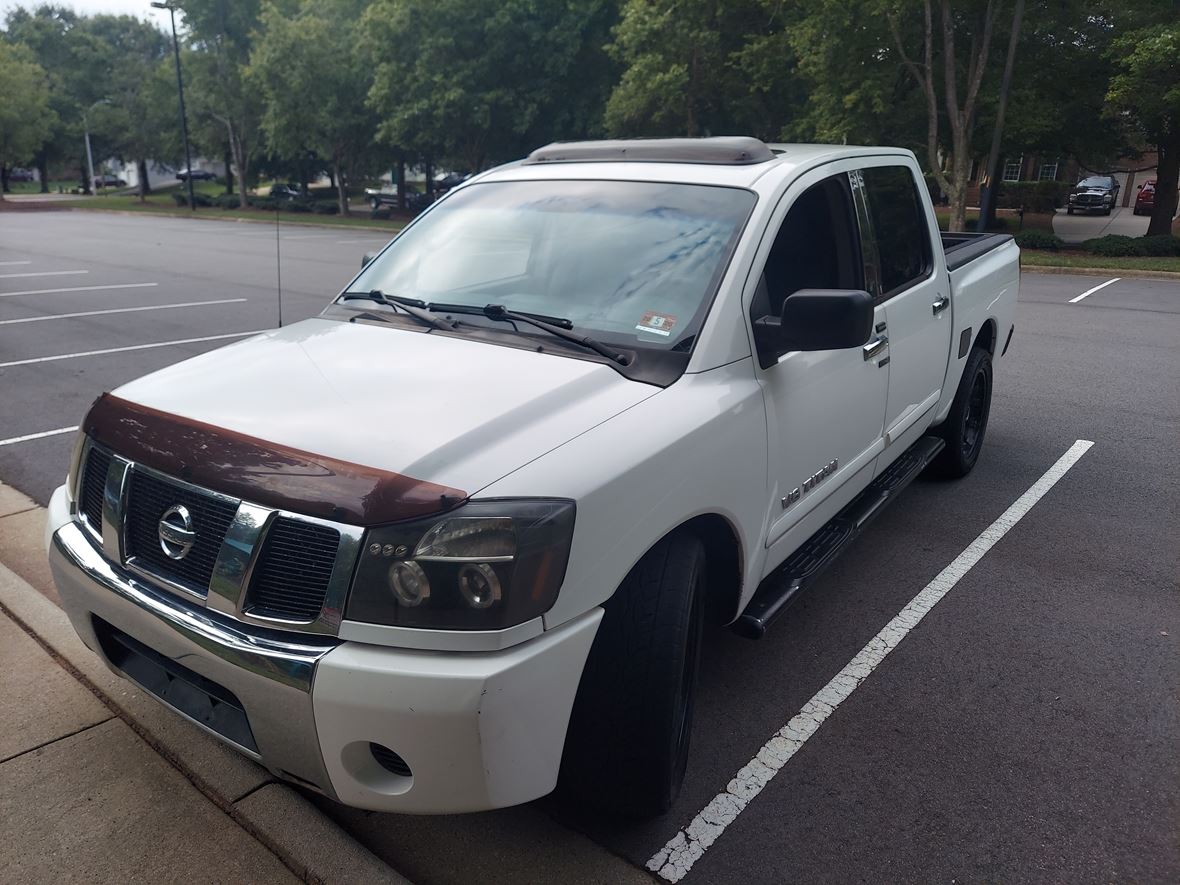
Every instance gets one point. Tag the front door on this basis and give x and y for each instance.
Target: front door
(825, 409)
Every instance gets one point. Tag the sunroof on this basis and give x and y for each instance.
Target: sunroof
(714, 151)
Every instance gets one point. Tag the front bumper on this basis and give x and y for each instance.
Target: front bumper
(476, 730)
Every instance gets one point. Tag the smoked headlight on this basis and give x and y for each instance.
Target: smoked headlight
(485, 566)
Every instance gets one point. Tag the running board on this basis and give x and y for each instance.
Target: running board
(782, 586)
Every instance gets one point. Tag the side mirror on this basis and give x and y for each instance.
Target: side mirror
(818, 319)
(367, 257)
(1139, 188)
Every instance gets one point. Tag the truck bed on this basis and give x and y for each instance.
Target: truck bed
(961, 248)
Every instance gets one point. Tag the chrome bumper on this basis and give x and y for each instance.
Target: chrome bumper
(269, 673)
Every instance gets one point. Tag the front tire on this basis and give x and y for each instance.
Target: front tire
(1069, 211)
(966, 424)
(626, 748)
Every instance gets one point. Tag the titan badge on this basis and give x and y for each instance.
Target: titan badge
(810, 483)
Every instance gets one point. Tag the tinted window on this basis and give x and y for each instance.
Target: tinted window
(636, 263)
(1096, 181)
(900, 226)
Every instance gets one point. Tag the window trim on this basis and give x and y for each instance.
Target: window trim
(1056, 164)
(1019, 163)
(868, 237)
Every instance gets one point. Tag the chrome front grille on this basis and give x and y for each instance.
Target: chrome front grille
(252, 563)
(149, 496)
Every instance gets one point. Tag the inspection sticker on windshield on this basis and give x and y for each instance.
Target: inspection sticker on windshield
(657, 323)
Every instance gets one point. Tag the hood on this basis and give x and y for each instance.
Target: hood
(448, 411)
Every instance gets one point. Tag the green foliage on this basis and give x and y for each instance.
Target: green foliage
(1032, 196)
(1039, 239)
(180, 197)
(474, 82)
(26, 119)
(1118, 246)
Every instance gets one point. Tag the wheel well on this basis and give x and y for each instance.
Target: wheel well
(723, 557)
(987, 336)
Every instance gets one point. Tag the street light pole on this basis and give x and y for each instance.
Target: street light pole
(86, 129)
(188, 160)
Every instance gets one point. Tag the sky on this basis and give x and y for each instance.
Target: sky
(138, 8)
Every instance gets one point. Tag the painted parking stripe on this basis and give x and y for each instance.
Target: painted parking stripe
(79, 289)
(31, 436)
(12, 263)
(96, 313)
(42, 273)
(676, 858)
(1090, 292)
(71, 356)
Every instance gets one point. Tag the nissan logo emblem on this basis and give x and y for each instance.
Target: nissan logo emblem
(176, 532)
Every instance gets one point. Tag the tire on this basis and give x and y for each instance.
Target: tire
(627, 745)
(966, 424)
(374, 203)
(1069, 211)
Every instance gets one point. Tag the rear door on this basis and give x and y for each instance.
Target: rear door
(913, 289)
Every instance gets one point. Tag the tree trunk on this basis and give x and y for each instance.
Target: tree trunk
(3, 180)
(1166, 179)
(429, 178)
(145, 186)
(341, 187)
(86, 182)
(229, 179)
(401, 183)
(987, 195)
(239, 152)
(43, 170)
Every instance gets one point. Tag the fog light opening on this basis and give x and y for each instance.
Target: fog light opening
(390, 761)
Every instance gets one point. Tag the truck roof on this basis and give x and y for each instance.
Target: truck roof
(736, 161)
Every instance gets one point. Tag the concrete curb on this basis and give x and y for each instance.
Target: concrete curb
(311, 845)
(1102, 272)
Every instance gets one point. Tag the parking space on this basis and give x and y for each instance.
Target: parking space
(1023, 723)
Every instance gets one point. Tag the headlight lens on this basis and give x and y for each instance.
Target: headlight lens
(486, 566)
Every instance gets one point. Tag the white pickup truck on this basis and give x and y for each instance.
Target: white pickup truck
(461, 533)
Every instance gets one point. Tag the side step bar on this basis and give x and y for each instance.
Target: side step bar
(782, 586)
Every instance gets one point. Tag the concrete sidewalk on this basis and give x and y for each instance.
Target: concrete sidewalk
(101, 783)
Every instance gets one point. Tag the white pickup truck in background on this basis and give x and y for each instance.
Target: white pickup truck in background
(461, 534)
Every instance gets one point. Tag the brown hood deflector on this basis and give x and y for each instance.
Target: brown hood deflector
(262, 472)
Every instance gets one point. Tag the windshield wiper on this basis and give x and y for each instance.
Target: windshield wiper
(556, 326)
(413, 306)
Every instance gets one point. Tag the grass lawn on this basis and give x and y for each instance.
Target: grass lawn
(1037, 258)
(162, 203)
(34, 187)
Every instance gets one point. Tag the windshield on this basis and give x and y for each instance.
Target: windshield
(1094, 181)
(635, 263)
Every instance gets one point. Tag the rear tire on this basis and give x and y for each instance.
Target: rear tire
(1069, 211)
(626, 749)
(965, 425)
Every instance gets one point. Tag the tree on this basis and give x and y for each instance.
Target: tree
(26, 119)
(1146, 88)
(955, 82)
(314, 85)
(140, 95)
(473, 82)
(221, 34)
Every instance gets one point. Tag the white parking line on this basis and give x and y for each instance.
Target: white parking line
(42, 273)
(11, 263)
(31, 436)
(70, 356)
(675, 859)
(1089, 292)
(95, 313)
(79, 289)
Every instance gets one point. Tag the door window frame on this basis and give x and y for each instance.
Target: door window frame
(868, 234)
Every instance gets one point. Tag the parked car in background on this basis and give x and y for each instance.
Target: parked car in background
(109, 181)
(1145, 200)
(21, 175)
(197, 174)
(286, 192)
(1098, 193)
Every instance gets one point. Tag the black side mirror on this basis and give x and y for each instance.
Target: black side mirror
(818, 319)
(367, 257)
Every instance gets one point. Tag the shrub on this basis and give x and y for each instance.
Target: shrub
(1039, 239)
(1115, 246)
(268, 203)
(199, 199)
(226, 201)
(1160, 246)
(324, 208)
(296, 206)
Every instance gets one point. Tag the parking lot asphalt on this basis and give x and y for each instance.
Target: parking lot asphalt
(1025, 730)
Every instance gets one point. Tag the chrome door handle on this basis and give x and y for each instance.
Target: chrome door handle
(941, 304)
(875, 347)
